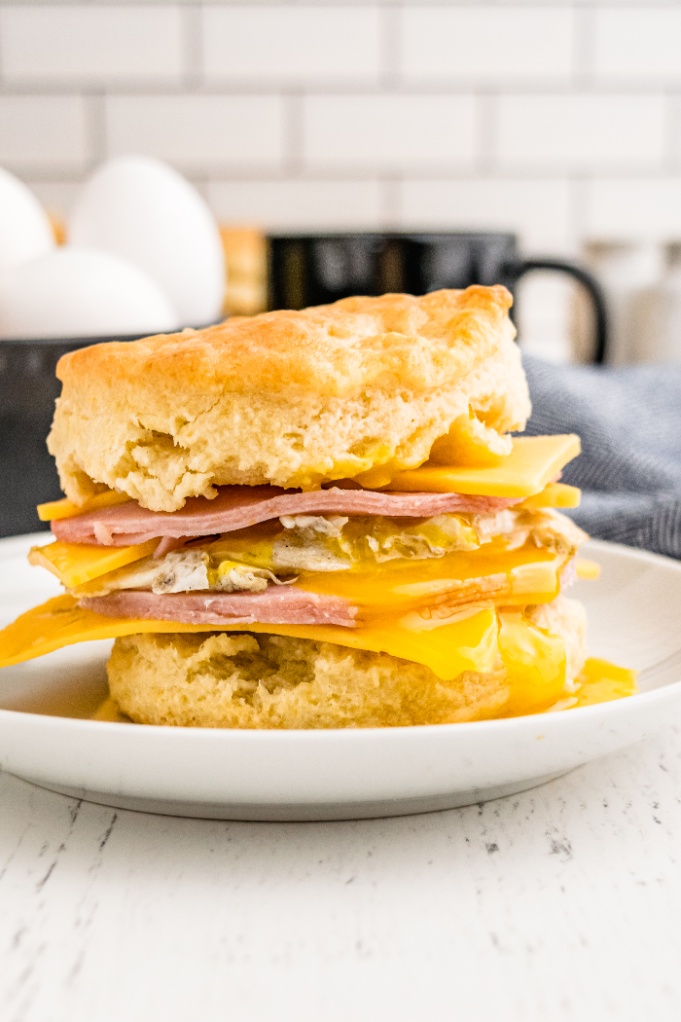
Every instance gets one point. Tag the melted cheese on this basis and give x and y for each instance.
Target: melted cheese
(601, 681)
(533, 463)
(65, 508)
(470, 442)
(467, 644)
(535, 664)
(532, 572)
(74, 564)
(534, 659)
(516, 577)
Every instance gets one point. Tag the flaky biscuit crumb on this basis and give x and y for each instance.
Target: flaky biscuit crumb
(294, 399)
(244, 680)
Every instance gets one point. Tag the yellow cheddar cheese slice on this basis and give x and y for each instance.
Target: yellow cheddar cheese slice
(491, 573)
(525, 472)
(558, 495)
(77, 563)
(533, 462)
(466, 644)
(531, 574)
(535, 660)
(53, 510)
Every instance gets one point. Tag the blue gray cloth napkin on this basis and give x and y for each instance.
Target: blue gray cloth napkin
(629, 420)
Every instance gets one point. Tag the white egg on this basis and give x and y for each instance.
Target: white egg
(144, 211)
(25, 230)
(75, 292)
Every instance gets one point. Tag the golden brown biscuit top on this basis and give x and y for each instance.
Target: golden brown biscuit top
(415, 342)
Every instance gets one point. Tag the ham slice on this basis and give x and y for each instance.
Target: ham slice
(284, 605)
(238, 507)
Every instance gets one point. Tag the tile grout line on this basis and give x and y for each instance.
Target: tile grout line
(390, 49)
(390, 200)
(191, 70)
(174, 88)
(487, 124)
(96, 128)
(293, 161)
(583, 50)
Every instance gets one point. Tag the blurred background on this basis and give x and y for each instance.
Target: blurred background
(559, 121)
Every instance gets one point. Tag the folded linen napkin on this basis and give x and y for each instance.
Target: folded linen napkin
(629, 420)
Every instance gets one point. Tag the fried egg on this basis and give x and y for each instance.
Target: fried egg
(275, 552)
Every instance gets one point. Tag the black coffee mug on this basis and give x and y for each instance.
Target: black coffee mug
(313, 269)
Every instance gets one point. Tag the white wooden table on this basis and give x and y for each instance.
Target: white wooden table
(562, 903)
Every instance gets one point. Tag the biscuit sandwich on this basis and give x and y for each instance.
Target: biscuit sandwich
(316, 518)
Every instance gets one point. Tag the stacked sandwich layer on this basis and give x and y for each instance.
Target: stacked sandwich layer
(314, 519)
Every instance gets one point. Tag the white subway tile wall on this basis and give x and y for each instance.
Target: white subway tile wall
(49, 132)
(390, 133)
(91, 45)
(289, 204)
(538, 209)
(292, 46)
(201, 133)
(477, 45)
(638, 46)
(581, 132)
(557, 119)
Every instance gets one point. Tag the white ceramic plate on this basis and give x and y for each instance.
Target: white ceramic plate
(46, 735)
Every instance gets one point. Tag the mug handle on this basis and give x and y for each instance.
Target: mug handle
(518, 269)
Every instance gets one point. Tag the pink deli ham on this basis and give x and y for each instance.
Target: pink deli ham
(284, 605)
(238, 507)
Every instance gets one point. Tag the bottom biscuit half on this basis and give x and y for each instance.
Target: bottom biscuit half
(244, 680)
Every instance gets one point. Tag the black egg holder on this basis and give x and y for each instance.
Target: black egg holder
(28, 390)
